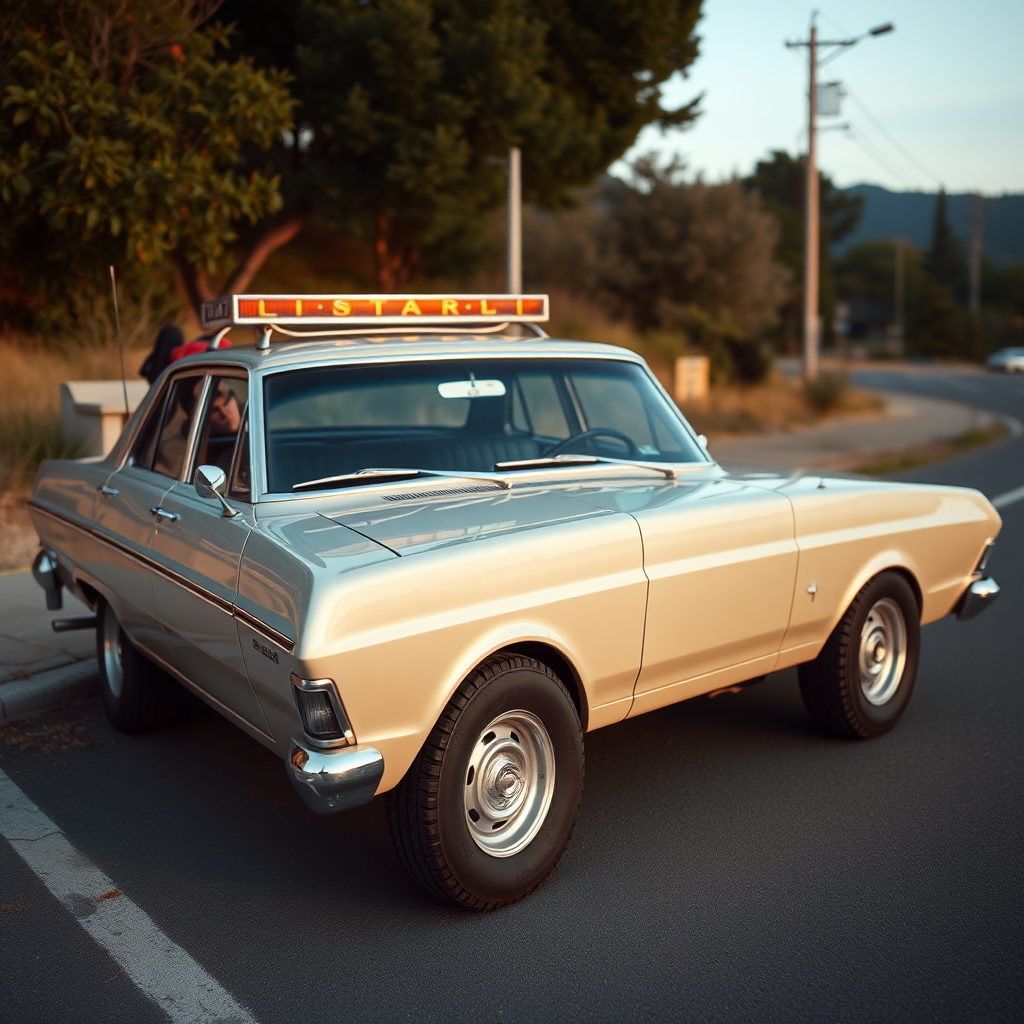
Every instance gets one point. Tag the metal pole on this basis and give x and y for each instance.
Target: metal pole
(899, 294)
(811, 220)
(515, 224)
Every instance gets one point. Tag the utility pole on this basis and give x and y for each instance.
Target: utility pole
(977, 223)
(899, 254)
(515, 223)
(812, 206)
(812, 209)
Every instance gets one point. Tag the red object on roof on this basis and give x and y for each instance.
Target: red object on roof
(192, 347)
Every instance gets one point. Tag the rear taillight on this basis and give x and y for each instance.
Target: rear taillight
(322, 712)
(983, 561)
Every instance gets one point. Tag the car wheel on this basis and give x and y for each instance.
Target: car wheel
(486, 810)
(138, 696)
(861, 681)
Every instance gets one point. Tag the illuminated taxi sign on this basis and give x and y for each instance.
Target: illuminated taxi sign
(362, 310)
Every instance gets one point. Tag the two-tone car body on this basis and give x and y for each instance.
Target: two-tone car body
(427, 563)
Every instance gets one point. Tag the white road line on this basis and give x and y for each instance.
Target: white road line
(160, 968)
(1009, 498)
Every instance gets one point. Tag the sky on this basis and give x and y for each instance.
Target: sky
(947, 88)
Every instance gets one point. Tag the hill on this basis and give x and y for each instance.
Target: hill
(909, 215)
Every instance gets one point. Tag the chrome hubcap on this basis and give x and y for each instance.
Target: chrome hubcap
(509, 783)
(113, 665)
(883, 651)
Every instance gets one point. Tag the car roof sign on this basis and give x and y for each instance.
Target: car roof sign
(366, 310)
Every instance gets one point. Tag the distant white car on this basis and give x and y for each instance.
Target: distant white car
(1006, 360)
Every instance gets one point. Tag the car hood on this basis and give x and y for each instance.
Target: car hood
(422, 516)
(408, 523)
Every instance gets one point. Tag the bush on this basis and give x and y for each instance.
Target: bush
(827, 392)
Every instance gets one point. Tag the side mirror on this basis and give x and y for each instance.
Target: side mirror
(702, 439)
(209, 482)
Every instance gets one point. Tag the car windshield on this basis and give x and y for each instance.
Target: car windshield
(464, 415)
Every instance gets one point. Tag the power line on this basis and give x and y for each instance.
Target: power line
(876, 154)
(880, 127)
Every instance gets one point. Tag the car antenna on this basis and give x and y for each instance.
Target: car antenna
(120, 347)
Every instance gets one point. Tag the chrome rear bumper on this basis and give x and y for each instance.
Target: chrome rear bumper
(335, 780)
(978, 596)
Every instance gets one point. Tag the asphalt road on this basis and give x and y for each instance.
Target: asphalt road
(728, 864)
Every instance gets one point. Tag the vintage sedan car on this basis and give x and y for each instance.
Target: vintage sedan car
(426, 564)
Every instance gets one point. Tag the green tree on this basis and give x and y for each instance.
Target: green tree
(939, 327)
(868, 271)
(407, 107)
(122, 132)
(945, 260)
(695, 257)
(780, 182)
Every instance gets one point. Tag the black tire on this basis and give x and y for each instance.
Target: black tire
(429, 812)
(844, 699)
(145, 698)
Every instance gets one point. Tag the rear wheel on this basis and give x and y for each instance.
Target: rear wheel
(860, 683)
(138, 696)
(487, 809)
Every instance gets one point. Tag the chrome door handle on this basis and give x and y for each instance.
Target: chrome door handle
(161, 514)
(109, 491)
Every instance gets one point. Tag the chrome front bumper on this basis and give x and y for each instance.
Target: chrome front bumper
(335, 780)
(978, 596)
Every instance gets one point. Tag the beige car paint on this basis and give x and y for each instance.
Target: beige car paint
(397, 601)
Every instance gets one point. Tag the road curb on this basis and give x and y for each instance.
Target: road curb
(24, 698)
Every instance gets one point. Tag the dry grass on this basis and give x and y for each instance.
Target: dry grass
(780, 403)
(30, 408)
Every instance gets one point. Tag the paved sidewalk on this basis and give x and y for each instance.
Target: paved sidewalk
(40, 668)
(27, 642)
(845, 443)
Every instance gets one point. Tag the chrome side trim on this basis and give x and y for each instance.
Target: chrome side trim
(332, 781)
(213, 599)
(980, 595)
(261, 627)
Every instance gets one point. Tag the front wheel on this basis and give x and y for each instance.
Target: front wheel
(487, 809)
(137, 695)
(860, 683)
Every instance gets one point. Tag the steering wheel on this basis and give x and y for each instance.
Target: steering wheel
(632, 452)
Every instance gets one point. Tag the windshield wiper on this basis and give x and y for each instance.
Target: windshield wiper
(543, 462)
(373, 476)
(363, 476)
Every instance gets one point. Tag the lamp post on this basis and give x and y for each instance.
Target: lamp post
(812, 200)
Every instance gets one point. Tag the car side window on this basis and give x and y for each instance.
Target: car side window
(145, 443)
(177, 424)
(221, 422)
(543, 404)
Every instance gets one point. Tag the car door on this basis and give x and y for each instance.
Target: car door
(124, 518)
(198, 548)
(721, 558)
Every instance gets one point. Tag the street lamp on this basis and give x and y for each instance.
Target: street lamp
(812, 211)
